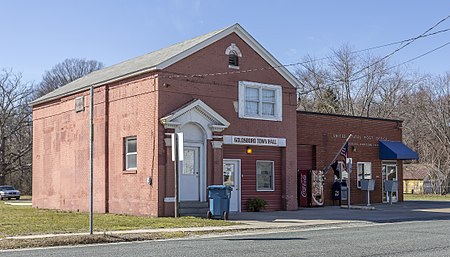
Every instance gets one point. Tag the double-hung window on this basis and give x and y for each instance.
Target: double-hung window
(364, 171)
(130, 153)
(260, 101)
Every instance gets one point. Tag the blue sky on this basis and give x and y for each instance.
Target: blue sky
(36, 35)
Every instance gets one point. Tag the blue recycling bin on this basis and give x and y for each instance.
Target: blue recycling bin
(219, 201)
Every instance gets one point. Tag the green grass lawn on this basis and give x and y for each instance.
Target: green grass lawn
(25, 220)
(427, 197)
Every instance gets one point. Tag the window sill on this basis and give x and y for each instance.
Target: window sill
(261, 118)
(265, 190)
(129, 171)
(233, 67)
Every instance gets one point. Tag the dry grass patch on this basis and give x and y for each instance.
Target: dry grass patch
(426, 197)
(85, 239)
(25, 220)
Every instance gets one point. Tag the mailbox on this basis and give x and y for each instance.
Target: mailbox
(391, 185)
(368, 184)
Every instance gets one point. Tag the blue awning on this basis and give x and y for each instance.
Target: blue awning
(396, 150)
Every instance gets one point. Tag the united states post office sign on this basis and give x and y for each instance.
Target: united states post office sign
(259, 141)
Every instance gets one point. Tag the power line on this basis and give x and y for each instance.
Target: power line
(401, 42)
(389, 68)
(420, 56)
(403, 46)
(407, 41)
(178, 76)
(373, 47)
(304, 62)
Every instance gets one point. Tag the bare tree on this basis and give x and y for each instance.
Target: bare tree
(15, 125)
(64, 73)
(432, 124)
(351, 83)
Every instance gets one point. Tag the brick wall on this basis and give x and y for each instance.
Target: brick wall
(133, 107)
(329, 132)
(61, 150)
(220, 92)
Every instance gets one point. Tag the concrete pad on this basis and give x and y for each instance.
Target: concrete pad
(19, 203)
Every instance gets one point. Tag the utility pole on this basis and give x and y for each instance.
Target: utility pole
(349, 171)
(2, 160)
(91, 161)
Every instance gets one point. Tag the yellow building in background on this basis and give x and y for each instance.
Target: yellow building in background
(413, 178)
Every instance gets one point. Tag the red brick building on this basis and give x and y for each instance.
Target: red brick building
(202, 87)
(220, 90)
(321, 136)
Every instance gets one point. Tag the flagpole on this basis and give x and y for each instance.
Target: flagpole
(325, 169)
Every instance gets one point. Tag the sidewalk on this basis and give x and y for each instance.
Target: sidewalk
(306, 217)
(383, 213)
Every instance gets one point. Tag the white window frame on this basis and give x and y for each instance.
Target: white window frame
(365, 174)
(278, 113)
(273, 177)
(127, 153)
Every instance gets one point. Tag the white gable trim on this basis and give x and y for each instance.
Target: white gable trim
(216, 122)
(235, 48)
(244, 35)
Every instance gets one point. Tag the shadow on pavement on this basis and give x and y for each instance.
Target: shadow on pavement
(267, 239)
(383, 213)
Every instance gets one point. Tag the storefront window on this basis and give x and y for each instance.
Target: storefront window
(264, 176)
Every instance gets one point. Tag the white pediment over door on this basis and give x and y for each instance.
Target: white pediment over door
(197, 112)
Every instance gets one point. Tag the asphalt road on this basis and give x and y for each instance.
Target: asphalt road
(418, 238)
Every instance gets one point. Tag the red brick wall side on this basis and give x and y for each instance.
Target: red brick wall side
(61, 154)
(133, 112)
(61, 150)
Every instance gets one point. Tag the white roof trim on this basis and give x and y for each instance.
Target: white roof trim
(167, 121)
(244, 35)
(236, 28)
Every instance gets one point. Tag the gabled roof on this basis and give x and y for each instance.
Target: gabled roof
(216, 120)
(415, 171)
(161, 59)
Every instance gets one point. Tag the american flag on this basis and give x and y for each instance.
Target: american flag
(344, 153)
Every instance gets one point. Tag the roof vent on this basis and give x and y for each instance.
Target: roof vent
(233, 53)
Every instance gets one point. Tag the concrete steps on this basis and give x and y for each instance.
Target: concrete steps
(193, 208)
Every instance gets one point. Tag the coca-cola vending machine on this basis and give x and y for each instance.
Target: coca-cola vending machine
(310, 189)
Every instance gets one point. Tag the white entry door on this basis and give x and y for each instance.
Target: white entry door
(389, 172)
(189, 175)
(231, 177)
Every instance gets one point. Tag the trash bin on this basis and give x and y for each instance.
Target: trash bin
(219, 201)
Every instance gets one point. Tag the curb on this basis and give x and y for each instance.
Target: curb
(247, 227)
(359, 207)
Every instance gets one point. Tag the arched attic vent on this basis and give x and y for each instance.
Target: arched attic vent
(234, 53)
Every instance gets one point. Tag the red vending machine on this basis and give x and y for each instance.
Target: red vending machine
(303, 177)
(310, 188)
